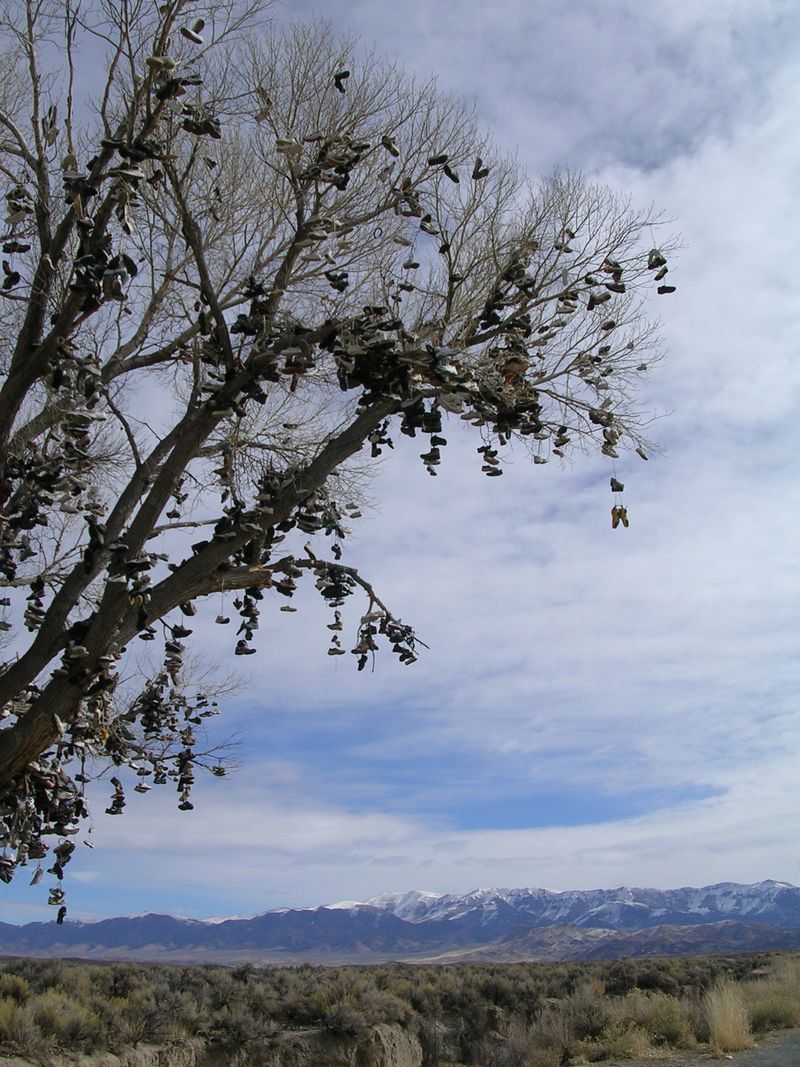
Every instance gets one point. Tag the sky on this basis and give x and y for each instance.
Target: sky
(597, 707)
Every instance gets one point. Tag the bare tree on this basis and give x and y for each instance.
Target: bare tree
(232, 264)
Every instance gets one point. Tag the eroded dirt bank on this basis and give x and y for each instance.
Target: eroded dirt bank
(384, 1046)
(389, 1046)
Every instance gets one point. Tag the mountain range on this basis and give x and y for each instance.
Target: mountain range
(487, 924)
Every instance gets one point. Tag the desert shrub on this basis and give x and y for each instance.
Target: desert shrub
(500, 989)
(693, 1007)
(12, 985)
(561, 979)
(628, 1045)
(544, 1057)
(551, 1031)
(425, 1000)
(475, 1013)
(263, 1001)
(69, 1023)
(244, 973)
(148, 1016)
(9, 1011)
(662, 1017)
(511, 1049)
(54, 975)
(191, 1017)
(18, 1029)
(82, 1028)
(432, 1037)
(306, 1009)
(659, 976)
(346, 1019)
(133, 1022)
(113, 1018)
(668, 1023)
(381, 1007)
(231, 1030)
(619, 977)
(728, 1025)
(588, 1012)
(467, 1040)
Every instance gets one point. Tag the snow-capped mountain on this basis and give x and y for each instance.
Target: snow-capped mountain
(776, 903)
(500, 924)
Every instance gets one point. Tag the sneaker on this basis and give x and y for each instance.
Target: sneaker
(193, 33)
(597, 298)
(390, 146)
(289, 147)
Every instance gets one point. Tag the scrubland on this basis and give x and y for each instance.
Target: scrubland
(494, 1015)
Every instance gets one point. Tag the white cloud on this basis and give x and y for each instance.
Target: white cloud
(262, 852)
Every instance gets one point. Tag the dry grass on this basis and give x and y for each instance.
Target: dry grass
(728, 1021)
(773, 1001)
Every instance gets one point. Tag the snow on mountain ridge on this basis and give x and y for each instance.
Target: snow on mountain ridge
(412, 906)
(585, 906)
